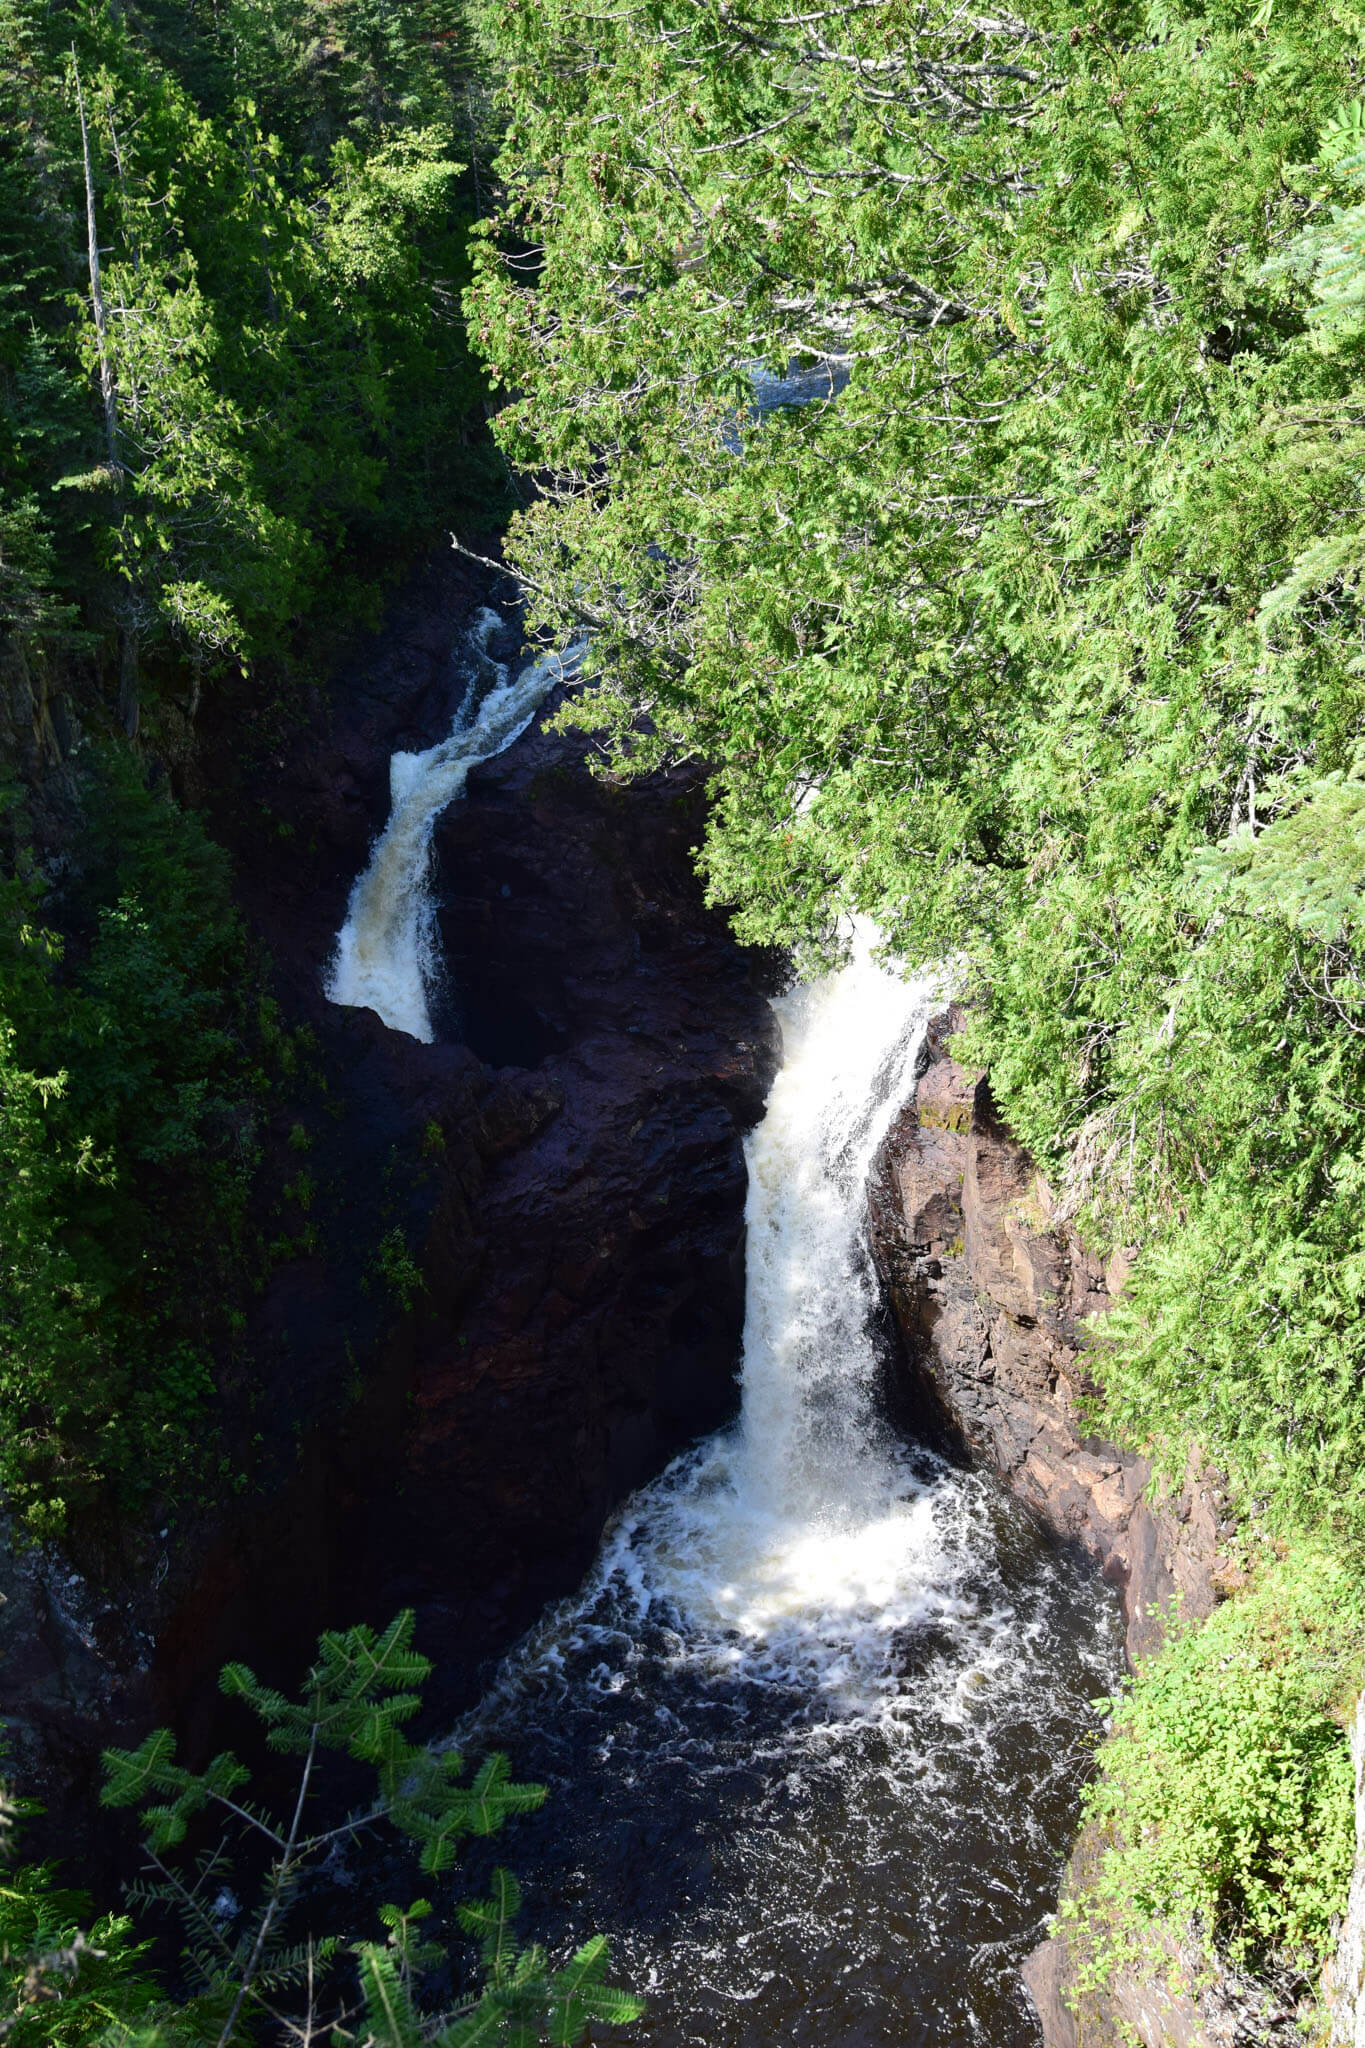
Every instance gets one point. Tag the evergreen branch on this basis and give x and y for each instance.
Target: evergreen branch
(279, 1881)
(586, 615)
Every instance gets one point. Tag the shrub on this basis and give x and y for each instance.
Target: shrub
(64, 1973)
(1225, 1793)
(236, 1876)
(129, 1080)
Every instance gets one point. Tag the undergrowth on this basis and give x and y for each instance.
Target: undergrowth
(1223, 1803)
(135, 1051)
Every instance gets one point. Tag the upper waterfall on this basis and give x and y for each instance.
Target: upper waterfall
(385, 958)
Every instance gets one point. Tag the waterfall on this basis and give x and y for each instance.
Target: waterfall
(385, 957)
(803, 1528)
(815, 1722)
(386, 954)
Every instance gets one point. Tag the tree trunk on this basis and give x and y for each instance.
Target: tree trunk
(107, 390)
(128, 704)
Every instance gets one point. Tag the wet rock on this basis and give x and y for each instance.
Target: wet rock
(564, 1169)
(1344, 1979)
(72, 1665)
(990, 1291)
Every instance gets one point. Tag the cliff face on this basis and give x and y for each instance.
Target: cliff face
(1345, 1977)
(988, 1292)
(564, 1166)
(515, 1286)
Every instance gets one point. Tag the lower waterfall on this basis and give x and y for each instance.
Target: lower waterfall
(814, 1726)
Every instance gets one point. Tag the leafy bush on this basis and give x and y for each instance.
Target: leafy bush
(1225, 1793)
(66, 1975)
(129, 1077)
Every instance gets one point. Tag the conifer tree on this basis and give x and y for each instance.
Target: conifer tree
(1038, 608)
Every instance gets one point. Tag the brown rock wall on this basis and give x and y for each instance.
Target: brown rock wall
(988, 1290)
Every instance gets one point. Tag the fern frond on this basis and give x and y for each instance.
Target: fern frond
(239, 1682)
(132, 1775)
(291, 1965)
(493, 1798)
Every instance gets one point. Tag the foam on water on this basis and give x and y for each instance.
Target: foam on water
(814, 1722)
(385, 958)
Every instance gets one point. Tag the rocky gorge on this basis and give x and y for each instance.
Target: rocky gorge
(989, 1291)
(512, 1285)
(515, 1287)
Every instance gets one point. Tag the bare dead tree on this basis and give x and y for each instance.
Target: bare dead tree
(128, 706)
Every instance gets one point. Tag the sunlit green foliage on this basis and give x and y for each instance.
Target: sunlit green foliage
(64, 1972)
(1022, 640)
(281, 203)
(1227, 1793)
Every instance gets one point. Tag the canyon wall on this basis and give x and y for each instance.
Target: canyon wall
(989, 1289)
(564, 1165)
(507, 1278)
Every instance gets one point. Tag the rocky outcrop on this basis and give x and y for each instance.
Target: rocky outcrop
(37, 727)
(563, 1170)
(990, 1290)
(72, 1664)
(1345, 1977)
(1177, 1997)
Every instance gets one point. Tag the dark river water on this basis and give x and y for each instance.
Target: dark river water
(816, 1724)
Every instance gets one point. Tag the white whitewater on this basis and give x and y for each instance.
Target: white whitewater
(386, 956)
(802, 1533)
(795, 1544)
(815, 1721)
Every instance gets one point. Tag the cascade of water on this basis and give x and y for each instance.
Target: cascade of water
(814, 1722)
(808, 1510)
(385, 957)
(385, 954)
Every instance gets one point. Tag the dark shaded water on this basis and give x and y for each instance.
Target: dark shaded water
(816, 1724)
(780, 1856)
